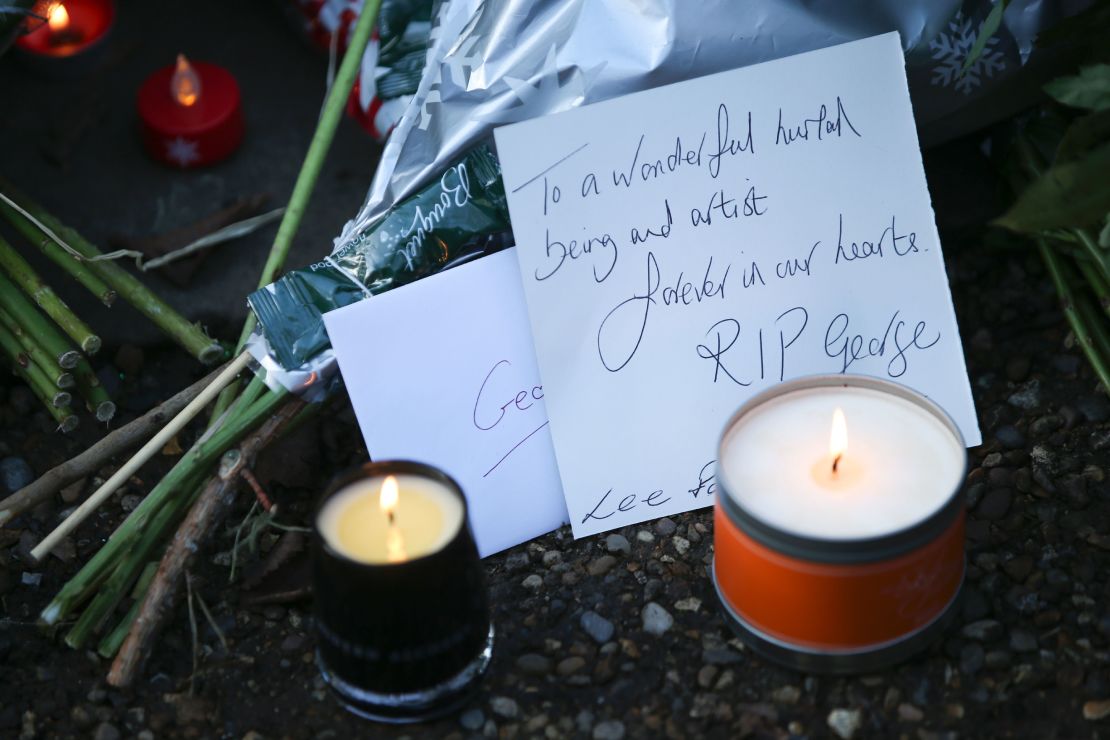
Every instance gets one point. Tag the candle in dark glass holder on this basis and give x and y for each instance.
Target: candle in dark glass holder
(401, 605)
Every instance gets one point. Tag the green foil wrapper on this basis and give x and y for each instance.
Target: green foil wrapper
(460, 216)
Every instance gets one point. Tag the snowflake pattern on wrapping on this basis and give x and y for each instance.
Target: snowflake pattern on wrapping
(950, 48)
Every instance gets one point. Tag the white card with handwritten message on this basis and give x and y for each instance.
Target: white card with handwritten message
(686, 247)
(443, 371)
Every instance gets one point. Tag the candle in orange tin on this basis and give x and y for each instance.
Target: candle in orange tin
(839, 524)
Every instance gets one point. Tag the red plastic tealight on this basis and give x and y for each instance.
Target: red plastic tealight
(190, 114)
(72, 30)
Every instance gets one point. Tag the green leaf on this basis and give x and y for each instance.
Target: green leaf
(1083, 135)
(1071, 194)
(1089, 89)
(1104, 235)
(988, 29)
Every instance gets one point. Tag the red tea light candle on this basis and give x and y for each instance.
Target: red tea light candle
(73, 34)
(190, 114)
(839, 523)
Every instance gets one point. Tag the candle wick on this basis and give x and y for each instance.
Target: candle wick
(390, 515)
(836, 462)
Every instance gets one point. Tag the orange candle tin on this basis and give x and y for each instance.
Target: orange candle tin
(838, 605)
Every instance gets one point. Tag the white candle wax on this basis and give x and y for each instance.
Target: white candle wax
(425, 517)
(901, 465)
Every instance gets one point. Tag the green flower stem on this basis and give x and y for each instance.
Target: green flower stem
(115, 586)
(29, 281)
(96, 398)
(1071, 312)
(109, 646)
(75, 267)
(31, 348)
(173, 324)
(184, 476)
(27, 316)
(1098, 285)
(310, 172)
(31, 373)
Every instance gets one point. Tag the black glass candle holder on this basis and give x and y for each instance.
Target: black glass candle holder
(408, 641)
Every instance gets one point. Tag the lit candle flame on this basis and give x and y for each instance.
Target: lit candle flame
(838, 438)
(58, 18)
(387, 501)
(185, 84)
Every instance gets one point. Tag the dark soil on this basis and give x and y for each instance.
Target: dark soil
(1027, 657)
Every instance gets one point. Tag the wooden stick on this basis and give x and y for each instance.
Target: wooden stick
(148, 451)
(44, 296)
(211, 506)
(92, 459)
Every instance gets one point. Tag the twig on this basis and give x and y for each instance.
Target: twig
(211, 507)
(27, 316)
(314, 158)
(59, 256)
(189, 336)
(92, 459)
(148, 450)
(259, 492)
(192, 628)
(212, 622)
(45, 298)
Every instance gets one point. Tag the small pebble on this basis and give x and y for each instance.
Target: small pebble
(845, 722)
(1028, 397)
(984, 630)
(645, 536)
(15, 473)
(472, 719)
(597, 627)
(972, 658)
(601, 566)
(787, 694)
(534, 664)
(610, 729)
(995, 504)
(1023, 641)
(1096, 710)
(570, 666)
(681, 545)
(656, 619)
(909, 713)
(691, 604)
(665, 526)
(532, 582)
(516, 561)
(1010, 437)
(618, 543)
(106, 731)
(504, 706)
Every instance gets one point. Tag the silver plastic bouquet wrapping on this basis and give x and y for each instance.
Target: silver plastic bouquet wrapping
(500, 61)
